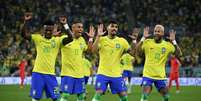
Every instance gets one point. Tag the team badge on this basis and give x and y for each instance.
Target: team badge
(163, 50)
(118, 45)
(81, 46)
(53, 44)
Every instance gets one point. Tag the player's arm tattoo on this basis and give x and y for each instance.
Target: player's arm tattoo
(69, 38)
(178, 51)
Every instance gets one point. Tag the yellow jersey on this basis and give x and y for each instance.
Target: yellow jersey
(110, 52)
(72, 60)
(127, 62)
(47, 50)
(156, 55)
(87, 67)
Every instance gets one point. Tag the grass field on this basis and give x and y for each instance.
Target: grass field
(191, 93)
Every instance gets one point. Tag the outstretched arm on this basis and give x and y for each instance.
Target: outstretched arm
(90, 34)
(146, 34)
(133, 36)
(177, 52)
(99, 33)
(25, 31)
(63, 20)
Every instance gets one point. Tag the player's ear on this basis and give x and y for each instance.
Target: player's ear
(108, 27)
(73, 27)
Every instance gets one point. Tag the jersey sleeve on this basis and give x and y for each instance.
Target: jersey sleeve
(85, 46)
(126, 45)
(171, 47)
(61, 39)
(144, 44)
(36, 38)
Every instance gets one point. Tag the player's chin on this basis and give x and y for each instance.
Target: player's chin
(80, 33)
(114, 33)
(48, 35)
(157, 38)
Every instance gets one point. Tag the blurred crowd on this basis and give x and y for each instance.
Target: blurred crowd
(182, 15)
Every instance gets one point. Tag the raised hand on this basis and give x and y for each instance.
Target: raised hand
(55, 31)
(63, 20)
(146, 32)
(172, 34)
(28, 16)
(91, 32)
(100, 30)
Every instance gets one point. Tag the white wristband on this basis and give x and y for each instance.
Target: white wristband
(174, 42)
(90, 39)
(142, 39)
(66, 26)
(134, 41)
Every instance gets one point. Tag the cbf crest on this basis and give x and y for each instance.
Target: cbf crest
(118, 45)
(53, 44)
(163, 50)
(81, 45)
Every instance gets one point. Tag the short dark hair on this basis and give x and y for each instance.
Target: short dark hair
(76, 20)
(113, 21)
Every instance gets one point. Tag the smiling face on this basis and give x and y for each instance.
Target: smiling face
(77, 29)
(158, 33)
(48, 30)
(112, 29)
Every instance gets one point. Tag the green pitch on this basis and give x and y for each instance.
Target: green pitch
(191, 93)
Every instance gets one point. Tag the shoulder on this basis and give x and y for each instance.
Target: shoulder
(122, 39)
(103, 38)
(82, 39)
(36, 35)
(63, 36)
(149, 40)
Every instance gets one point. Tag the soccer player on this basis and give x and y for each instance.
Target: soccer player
(87, 69)
(72, 71)
(22, 66)
(127, 64)
(156, 53)
(47, 47)
(174, 72)
(110, 48)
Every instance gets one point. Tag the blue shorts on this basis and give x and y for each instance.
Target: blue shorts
(72, 85)
(159, 84)
(117, 84)
(47, 82)
(127, 73)
(86, 78)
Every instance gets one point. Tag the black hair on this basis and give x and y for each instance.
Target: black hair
(113, 21)
(76, 20)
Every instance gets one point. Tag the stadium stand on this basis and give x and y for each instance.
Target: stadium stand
(182, 15)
